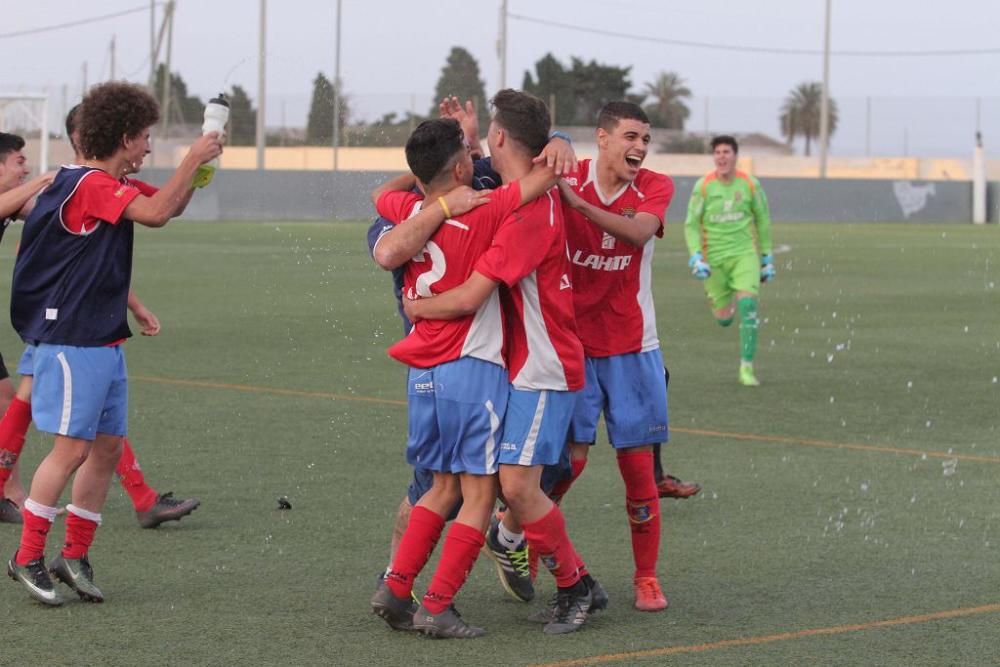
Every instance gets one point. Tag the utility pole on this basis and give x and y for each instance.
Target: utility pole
(336, 96)
(502, 45)
(824, 112)
(152, 43)
(165, 92)
(261, 83)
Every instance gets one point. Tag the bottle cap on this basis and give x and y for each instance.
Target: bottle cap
(220, 99)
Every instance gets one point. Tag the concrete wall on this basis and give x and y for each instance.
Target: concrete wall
(314, 195)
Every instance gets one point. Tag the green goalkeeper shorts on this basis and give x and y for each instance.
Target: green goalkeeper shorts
(732, 275)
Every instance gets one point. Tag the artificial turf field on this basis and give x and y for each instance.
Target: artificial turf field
(851, 504)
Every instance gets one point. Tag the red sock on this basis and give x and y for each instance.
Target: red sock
(461, 547)
(79, 535)
(548, 537)
(415, 547)
(132, 480)
(13, 427)
(643, 507)
(560, 488)
(33, 534)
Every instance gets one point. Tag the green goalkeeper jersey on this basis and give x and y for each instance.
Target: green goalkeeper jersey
(720, 217)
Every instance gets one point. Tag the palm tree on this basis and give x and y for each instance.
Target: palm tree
(668, 110)
(800, 114)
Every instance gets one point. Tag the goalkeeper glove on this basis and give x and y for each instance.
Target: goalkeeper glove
(699, 268)
(766, 269)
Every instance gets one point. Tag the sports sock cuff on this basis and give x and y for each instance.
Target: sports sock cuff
(421, 514)
(41, 511)
(84, 514)
(467, 534)
(509, 537)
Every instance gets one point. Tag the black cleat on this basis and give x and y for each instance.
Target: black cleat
(512, 565)
(9, 513)
(447, 624)
(599, 601)
(167, 508)
(397, 612)
(78, 575)
(571, 610)
(36, 579)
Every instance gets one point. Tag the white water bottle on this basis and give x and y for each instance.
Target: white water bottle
(216, 117)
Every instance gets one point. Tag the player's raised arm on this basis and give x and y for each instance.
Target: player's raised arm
(157, 210)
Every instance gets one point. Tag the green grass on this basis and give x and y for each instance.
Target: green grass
(885, 337)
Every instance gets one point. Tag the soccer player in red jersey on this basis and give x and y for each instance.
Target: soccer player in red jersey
(615, 208)
(458, 384)
(544, 355)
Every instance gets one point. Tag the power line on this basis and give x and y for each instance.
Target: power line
(758, 49)
(73, 24)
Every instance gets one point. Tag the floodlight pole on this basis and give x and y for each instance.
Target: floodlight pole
(152, 43)
(336, 96)
(502, 45)
(260, 139)
(824, 112)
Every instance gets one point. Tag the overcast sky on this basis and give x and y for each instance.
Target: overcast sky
(393, 51)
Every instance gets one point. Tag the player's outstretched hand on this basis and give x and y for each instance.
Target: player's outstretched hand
(767, 269)
(451, 107)
(699, 267)
(463, 199)
(206, 147)
(559, 155)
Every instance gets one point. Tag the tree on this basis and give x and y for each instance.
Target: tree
(579, 91)
(460, 77)
(800, 113)
(242, 118)
(183, 108)
(668, 110)
(319, 127)
(551, 84)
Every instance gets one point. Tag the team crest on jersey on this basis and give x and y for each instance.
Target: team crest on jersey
(120, 191)
(738, 196)
(628, 212)
(607, 242)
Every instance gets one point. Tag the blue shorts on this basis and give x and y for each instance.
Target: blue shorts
(630, 390)
(26, 365)
(80, 391)
(456, 412)
(536, 425)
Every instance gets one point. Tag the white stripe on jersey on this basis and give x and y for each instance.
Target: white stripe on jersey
(542, 368)
(528, 451)
(485, 338)
(650, 341)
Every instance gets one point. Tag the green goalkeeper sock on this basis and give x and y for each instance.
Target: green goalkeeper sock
(748, 328)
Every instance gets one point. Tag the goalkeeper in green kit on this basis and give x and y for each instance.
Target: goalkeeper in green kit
(727, 223)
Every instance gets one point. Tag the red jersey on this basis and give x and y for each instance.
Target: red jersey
(447, 261)
(612, 279)
(529, 256)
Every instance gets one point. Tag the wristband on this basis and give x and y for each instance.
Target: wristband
(556, 134)
(444, 207)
